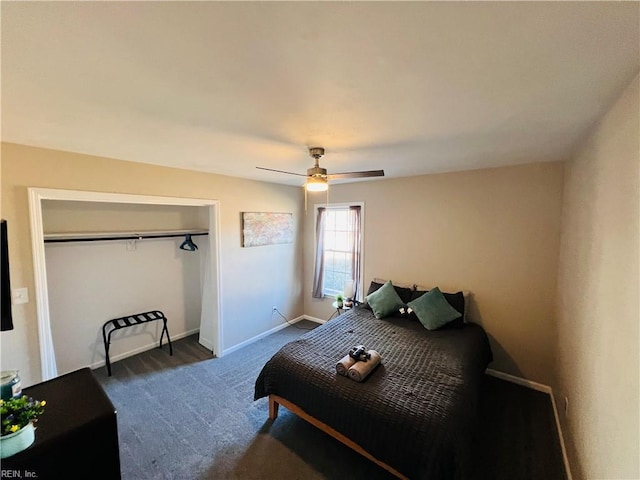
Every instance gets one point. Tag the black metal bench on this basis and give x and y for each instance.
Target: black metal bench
(129, 321)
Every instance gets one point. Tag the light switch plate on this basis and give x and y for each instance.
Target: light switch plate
(19, 295)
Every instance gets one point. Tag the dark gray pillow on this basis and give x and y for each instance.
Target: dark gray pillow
(403, 292)
(384, 301)
(433, 310)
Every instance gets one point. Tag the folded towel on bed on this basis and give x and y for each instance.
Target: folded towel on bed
(359, 370)
(344, 364)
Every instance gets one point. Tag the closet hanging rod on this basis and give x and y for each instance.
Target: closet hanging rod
(62, 238)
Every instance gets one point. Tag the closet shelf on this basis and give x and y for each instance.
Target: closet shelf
(102, 236)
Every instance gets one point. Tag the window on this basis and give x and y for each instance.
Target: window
(338, 249)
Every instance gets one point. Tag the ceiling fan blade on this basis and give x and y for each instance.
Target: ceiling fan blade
(282, 171)
(366, 173)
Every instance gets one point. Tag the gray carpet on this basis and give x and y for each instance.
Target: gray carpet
(191, 416)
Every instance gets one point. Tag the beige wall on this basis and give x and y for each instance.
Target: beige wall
(252, 279)
(598, 312)
(495, 232)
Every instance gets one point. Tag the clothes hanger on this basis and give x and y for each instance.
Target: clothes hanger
(188, 244)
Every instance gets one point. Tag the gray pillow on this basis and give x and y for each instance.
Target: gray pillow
(433, 310)
(384, 301)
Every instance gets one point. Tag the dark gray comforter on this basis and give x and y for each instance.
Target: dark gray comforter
(415, 412)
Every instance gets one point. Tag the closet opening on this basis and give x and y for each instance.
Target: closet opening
(133, 251)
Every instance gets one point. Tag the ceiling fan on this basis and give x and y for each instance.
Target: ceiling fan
(317, 177)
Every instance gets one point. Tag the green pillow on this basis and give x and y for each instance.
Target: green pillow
(384, 301)
(433, 310)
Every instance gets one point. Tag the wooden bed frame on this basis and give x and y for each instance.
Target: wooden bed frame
(275, 401)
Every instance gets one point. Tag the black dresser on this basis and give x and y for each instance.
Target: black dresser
(76, 437)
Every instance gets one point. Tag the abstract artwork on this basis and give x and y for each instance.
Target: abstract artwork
(266, 228)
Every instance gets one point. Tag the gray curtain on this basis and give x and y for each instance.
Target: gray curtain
(354, 224)
(318, 274)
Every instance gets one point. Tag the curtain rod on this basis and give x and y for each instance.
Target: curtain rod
(127, 237)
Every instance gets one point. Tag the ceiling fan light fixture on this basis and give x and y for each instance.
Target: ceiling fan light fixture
(316, 185)
(317, 176)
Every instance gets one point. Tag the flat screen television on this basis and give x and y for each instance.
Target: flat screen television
(5, 286)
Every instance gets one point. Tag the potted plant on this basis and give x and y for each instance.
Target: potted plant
(339, 300)
(18, 416)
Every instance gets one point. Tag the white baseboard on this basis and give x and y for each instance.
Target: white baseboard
(225, 351)
(314, 319)
(519, 380)
(269, 332)
(144, 348)
(541, 388)
(238, 346)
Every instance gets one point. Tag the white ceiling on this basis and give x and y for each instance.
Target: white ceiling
(223, 87)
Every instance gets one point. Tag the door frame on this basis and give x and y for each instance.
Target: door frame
(37, 195)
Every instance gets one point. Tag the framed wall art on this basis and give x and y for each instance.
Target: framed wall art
(266, 228)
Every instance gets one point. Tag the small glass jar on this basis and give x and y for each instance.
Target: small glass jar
(10, 384)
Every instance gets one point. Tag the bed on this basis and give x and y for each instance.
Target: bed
(414, 415)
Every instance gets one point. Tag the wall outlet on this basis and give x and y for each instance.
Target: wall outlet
(566, 406)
